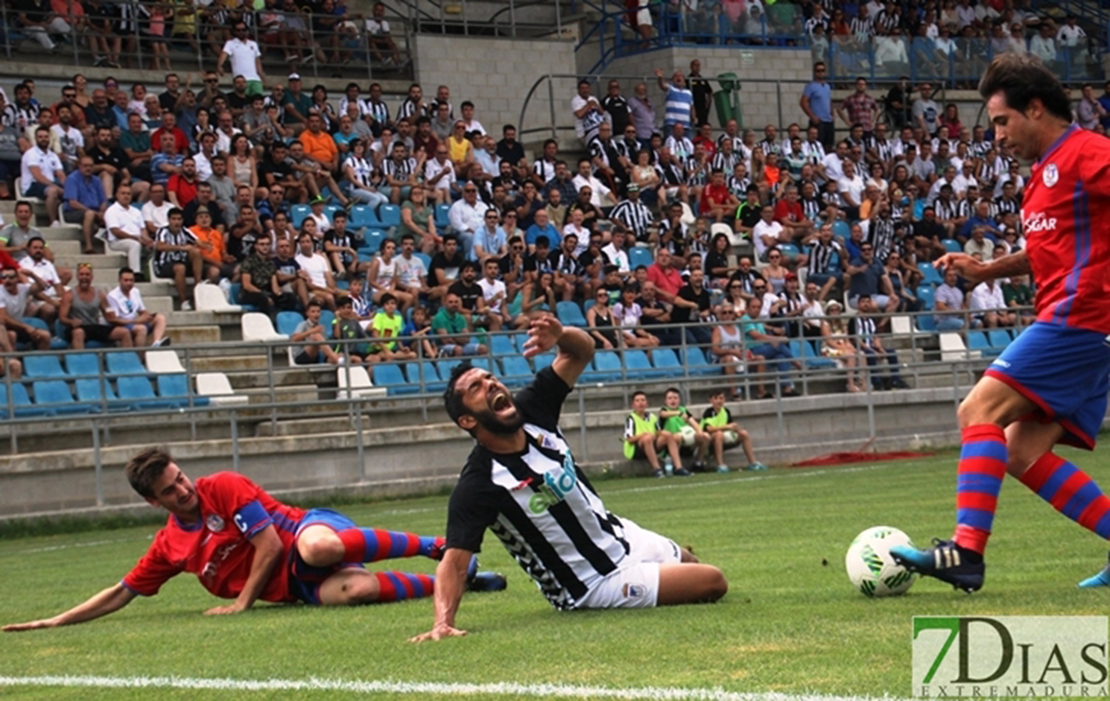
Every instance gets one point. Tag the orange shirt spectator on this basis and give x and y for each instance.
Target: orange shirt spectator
(320, 147)
(207, 235)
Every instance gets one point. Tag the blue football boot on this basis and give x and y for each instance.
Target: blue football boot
(946, 561)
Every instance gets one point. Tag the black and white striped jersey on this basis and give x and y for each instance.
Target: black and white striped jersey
(635, 216)
(539, 504)
(182, 238)
(880, 234)
(821, 257)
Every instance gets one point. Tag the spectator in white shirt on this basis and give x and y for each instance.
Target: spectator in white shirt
(833, 162)
(37, 262)
(246, 59)
(42, 174)
(988, 295)
(126, 228)
(466, 217)
(126, 309)
(439, 174)
(321, 284)
(850, 187)
(156, 212)
(767, 232)
(1070, 34)
(1043, 46)
(585, 178)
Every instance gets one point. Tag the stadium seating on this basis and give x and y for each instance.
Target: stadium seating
(516, 370)
(21, 401)
(362, 216)
(952, 246)
(374, 238)
(96, 394)
(176, 386)
(390, 215)
(389, 376)
(502, 345)
(139, 394)
(952, 348)
(298, 213)
(606, 367)
(258, 327)
(638, 366)
(42, 367)
(163, 362)
(570, 314)
(354, 383)
(442, 220)
(287, 322)
(927, 296)
(233, 298)
(414, 370)
(665, 360)
(543, 360)
(695, 361)
(210, 298)
(54, 397)
(930, 274)
(638, 255)
(977, 341)
(999, 338)
(124, 363)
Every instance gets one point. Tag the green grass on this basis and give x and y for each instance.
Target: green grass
(791, 622)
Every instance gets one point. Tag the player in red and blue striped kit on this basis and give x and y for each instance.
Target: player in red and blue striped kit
(1050, 385)
(243, 544)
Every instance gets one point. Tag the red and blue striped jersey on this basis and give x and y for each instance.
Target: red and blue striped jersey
(1065, 217)
(217, 549)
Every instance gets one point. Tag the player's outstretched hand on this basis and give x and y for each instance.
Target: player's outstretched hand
(438, 633)
(963, 264)
(30, 625)
(543, 334)
(225, 610)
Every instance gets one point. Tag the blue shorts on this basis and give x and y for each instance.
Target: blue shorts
(37, 190)
(1065, 371)
(304, 579)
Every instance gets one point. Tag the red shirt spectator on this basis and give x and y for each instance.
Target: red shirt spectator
(665, 277)
(186, 190)
(180, 141)
(787, 211)
(716, 195)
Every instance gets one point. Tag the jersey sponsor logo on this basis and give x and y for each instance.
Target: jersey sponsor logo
(1038, 222)
(557, 484)
(1051, 175)
(214, 523)
(634, 591)
(1001, 363)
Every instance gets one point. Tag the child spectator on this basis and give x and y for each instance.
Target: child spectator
(676, 419)
(643, 436)
(312, 332)
(724, 433)
(388, 324)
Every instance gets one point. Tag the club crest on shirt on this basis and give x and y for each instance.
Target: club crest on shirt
(214, 523)
(633, 591)
(1051, 175)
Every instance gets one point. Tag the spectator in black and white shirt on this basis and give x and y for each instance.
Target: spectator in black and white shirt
(177, 255)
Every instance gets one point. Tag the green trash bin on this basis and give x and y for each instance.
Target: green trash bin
(727, 99)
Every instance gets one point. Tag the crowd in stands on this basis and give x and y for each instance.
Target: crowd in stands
(413, 220)
(932, 38)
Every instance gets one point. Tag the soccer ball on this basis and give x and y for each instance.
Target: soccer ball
(731, 438)
(870, 566)
(688, 435)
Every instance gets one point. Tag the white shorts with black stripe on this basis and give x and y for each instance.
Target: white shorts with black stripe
(636, 583)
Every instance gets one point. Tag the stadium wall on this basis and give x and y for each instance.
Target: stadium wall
(493, 73)
(418, 459)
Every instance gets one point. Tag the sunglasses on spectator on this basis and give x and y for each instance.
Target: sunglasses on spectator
(759, 287)
(211, 80)
(735, 287)
(9, 277)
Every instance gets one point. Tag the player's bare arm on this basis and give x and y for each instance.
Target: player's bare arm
(977, 271)
(267, 554)
(450, 585)
(576, 348)
(103, 603)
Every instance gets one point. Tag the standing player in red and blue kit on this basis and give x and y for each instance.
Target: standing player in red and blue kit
(242, 544)
(1049, 386)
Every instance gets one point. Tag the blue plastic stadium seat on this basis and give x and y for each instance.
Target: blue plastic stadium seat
(570, 314)
(638, 255)
(926, 323)
(517, 370)
(543, 360)
(82, 364)
(927, 295)
(694, 359)
(374, 238)
(88, 392)
(813, 358)
(841, 229)
(952, 246)
(390, 215)
(389, 375)
(54, 396)
(139, 394)
(125, 363)
(666, 361)
(233, 293)
(606, 367)
(443, 221)
(330, 210)
(637, 365)
(21, 401)
(789, 251)
(432, 381)
(298, 214)
(326, 317)
(363, 215)
(977, 341)
(931, 276)
(999, 338)
(483, 363)
(502, 345)
(176, 386)
(423, 257)
(38, 367)
(287, 322)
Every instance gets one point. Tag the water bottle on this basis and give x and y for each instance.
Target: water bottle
(668, 466)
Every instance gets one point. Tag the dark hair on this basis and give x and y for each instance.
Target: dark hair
(466, 104)
(124, 270)
(718, 392)
(345, 301)
(1022, 79)
(144, 469)
(543, 241)
(312, 303)
(408, 237)
(638, 394)
(175, 211)
(471, 265)
(672, 389)
(36, 238)
(386, 299)
(452, 400)
(450, 237)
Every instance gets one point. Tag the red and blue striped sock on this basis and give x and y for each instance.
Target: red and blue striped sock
(982, 467)
(1070, 491)
(371, 544)
(398, 586)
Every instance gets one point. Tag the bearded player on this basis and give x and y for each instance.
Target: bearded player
(242, 544)
(1049, 386)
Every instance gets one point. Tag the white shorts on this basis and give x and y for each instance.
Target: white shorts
(636, 583)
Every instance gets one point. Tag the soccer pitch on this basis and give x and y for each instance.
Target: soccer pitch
(790, 626)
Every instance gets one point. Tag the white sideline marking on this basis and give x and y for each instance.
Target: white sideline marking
(67, 546)
(422, 688)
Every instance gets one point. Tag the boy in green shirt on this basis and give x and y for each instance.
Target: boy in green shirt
(643, 438)
(387, 323)
(724, 433)
(676, 418)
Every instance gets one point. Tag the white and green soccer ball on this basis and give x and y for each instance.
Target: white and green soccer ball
(870, 566)
(689, 435)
